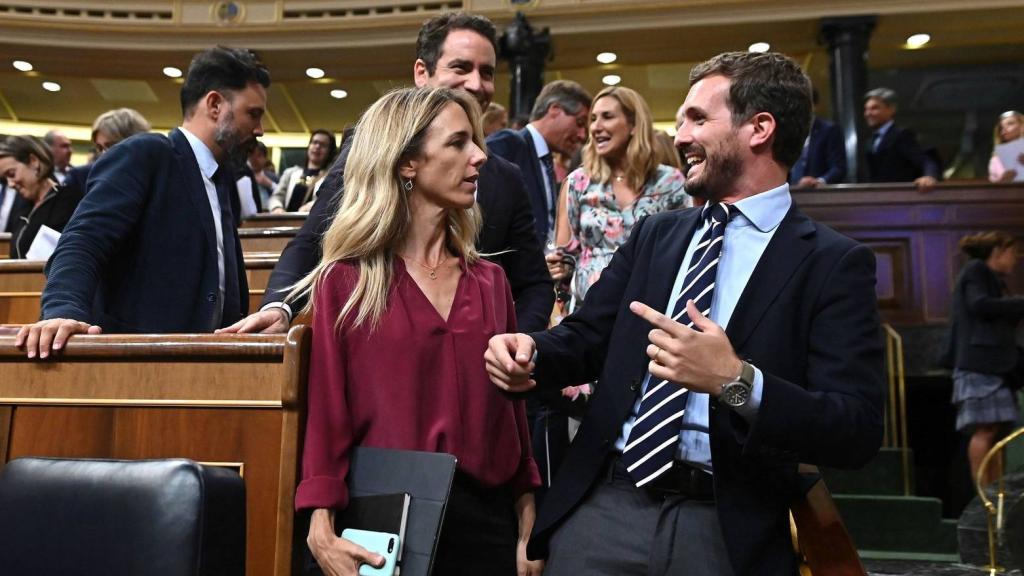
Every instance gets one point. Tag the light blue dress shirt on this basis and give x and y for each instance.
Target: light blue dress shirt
(746, 237)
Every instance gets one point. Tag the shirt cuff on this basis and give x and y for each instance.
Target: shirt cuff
(749, 410)
(287, 309)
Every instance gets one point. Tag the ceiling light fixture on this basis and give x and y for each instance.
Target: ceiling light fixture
(22, 65)
(760, 47)
(51, 86)
(918, 40)
(339, 94)
(315, 72)
(172, 72)
(611, 79)
(607, 57)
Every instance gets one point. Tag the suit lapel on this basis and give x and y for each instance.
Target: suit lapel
(791, 244)
(673, 248)
(195, 189)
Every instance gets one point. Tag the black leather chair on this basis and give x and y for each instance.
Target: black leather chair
(121, 517)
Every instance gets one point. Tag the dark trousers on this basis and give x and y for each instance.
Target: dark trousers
(622, 530)
(479, 533)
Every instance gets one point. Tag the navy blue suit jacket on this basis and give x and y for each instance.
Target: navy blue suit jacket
(140, 253)
(517, 147)
(807, 319)
(899, 158)
(826, 156)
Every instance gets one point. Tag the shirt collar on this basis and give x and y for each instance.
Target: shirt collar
(538, 141)
(764, 210)
(884, 128)
(207, 163)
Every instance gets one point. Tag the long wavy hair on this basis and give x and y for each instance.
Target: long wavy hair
(641, 158)
(374, 216)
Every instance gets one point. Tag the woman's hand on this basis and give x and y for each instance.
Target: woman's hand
(336, 556)
(524, 566)
(1008, 175)
(557, 267)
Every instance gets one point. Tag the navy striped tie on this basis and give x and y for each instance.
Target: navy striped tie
(651, 446)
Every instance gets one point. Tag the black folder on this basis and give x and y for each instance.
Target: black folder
(426, 477)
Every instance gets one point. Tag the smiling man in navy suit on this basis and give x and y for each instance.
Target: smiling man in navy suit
(732, 342)
(154, 246)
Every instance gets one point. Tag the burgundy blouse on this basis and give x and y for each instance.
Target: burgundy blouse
(415, 382)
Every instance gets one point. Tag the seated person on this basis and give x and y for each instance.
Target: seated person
(400, 272)
(27, 164)
(298, 185)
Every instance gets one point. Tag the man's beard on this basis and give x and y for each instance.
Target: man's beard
(720, 171)
(235, 145)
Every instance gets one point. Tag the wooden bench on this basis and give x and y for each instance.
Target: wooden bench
(230, 400)
(22, 282)
(267, 220)
(271, 240)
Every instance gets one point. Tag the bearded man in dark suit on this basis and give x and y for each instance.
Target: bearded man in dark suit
(767, 355)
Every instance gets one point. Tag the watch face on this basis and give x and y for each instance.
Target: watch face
(735, 394)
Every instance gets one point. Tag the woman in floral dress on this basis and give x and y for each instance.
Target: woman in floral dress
(619, 182)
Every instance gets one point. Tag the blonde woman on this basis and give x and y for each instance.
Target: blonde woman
(1009, 128)
(403, 307)
(620, 182)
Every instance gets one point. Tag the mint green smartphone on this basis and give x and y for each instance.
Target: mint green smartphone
(382, 543)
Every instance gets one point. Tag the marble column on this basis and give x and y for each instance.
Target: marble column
(847, 39)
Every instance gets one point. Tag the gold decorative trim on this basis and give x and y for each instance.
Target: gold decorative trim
(141, 402)
(236, 466)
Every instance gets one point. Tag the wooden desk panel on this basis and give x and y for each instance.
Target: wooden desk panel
(914, 236)
(232, 399)
(5, 245)
(272, 240)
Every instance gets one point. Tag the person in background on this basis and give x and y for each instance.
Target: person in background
(823, 159)
(893, 152)
(264, 179)
(60, 148)
(558, 123)
(981, 346)
(666, 151)
(1009, 128)
(400, 272)
(495, 118)
(26, 163)
(108, 129)
(297, 186)
(621, 181)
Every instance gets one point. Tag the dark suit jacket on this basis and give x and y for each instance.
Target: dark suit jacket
(55, 212)
(507, 234)
(982, 335)
(899, 158)
(140, 253)
(826, 156)
(807, 319)
(517, 147)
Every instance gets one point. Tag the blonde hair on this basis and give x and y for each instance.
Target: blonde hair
(641, 160)
(996, 138)
(374, 216)
(119, 124)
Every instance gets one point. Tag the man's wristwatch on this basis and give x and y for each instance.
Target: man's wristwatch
(736, 393)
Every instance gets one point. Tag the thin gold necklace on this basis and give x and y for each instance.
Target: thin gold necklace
(431, 271)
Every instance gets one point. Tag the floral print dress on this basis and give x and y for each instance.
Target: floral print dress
(599, 226)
